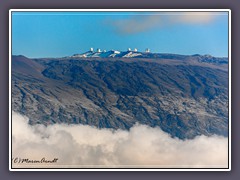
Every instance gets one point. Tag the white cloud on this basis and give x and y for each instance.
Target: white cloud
(195, 18)
(85, 146)
(135, 24)
(140, 23)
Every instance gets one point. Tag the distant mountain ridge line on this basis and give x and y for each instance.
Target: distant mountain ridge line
(122, 54)
(132, 54)
(162, 58)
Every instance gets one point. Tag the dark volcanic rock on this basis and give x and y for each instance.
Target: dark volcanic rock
(185, 97)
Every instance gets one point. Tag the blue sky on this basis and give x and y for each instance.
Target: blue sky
(58, 34)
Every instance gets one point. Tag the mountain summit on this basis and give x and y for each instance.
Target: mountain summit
(147, 54)
(111, 53)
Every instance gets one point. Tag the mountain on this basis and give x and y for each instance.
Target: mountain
(147, 54)
(183, 95)
(107, 54)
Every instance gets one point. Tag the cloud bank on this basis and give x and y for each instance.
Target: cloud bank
(140, 23)
(85, 146)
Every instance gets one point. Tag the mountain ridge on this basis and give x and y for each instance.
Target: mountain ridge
(184, 97)
(136, 54)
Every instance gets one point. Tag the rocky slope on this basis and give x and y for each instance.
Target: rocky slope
(184, 95)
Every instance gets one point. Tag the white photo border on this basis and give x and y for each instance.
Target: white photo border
(119, 169)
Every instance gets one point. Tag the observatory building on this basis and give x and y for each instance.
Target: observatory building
(147, 50)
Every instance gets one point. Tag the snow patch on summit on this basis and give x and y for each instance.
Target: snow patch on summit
(111, 53)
